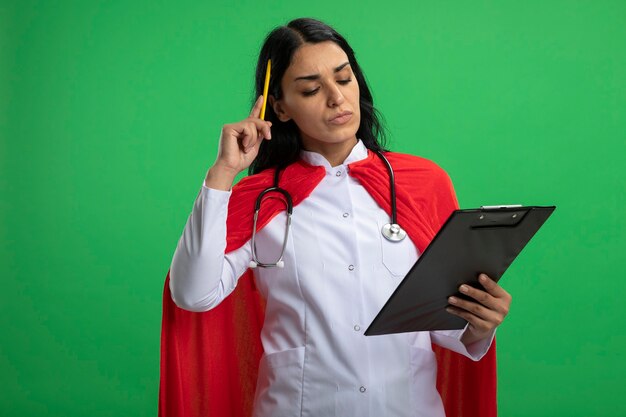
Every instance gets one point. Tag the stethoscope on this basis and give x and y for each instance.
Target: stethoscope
(391, 231)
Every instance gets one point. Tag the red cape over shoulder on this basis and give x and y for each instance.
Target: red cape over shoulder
(209, 361)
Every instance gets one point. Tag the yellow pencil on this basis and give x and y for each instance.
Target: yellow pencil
(266, 87)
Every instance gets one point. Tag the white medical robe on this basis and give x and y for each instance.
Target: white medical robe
(339, 271)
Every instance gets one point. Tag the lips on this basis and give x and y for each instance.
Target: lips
(341, 118)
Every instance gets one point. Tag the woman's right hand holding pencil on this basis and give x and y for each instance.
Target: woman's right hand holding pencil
(239, 145)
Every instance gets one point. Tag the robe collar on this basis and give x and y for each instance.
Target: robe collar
(358, 153)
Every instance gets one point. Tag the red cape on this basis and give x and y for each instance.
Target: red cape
(209, 360)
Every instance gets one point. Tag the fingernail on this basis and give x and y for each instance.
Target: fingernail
(452, 300)
(464, 288)
(269, 134)
(483, 278)
(449, 310)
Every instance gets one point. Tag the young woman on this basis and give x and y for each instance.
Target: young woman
(323, 282)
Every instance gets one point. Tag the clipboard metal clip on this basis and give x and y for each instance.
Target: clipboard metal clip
(502, 206)
(499, 216)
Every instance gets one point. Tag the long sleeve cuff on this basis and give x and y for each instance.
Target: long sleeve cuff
(451, 339)
(216, 191)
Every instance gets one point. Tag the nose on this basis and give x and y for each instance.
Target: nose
(335, 97)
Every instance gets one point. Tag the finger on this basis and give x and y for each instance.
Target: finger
(263, 127)
(268, 135)
(492, 287)
(256, 143)
(248, 136)
(256, 109)
(476, 309)
(481, 296)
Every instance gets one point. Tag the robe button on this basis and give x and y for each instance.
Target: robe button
(362, 389)
(338, 173)
(357, 327)
(351, 267)
(346, 215)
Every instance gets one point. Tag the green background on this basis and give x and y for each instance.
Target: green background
(110, 113)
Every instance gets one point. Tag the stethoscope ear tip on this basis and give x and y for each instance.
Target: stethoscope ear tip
(253, 264)
(280, 264)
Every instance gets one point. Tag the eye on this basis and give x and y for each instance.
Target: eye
(344, 82)
(310, 92)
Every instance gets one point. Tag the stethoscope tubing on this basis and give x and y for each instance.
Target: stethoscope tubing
(392, 186)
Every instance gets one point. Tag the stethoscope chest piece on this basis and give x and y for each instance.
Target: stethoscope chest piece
(393, 232)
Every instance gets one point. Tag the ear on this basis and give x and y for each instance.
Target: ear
(278, 109)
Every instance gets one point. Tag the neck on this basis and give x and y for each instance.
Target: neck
(335, 153)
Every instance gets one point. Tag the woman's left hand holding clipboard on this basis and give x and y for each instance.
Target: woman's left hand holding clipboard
(485, 313)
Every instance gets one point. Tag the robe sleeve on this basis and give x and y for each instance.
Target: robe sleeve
(202, 275)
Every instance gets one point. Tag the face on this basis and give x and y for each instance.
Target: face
(321, 95)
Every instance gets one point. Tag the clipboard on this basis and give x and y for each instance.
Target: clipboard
(471, 241)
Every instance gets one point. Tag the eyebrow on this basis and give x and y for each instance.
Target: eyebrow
(317, 76)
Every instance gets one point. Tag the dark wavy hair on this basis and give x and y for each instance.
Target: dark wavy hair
(280, 46)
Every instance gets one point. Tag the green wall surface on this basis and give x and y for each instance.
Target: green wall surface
(110, 114)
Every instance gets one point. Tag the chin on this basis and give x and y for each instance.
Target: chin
(342, 137)
(334, 134)
(344, 132)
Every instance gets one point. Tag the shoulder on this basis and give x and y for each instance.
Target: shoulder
(239, 222)
(246, 191)
(413, 160)
(427, 183)
(298, 179)
(254, 182)
(416, 168)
